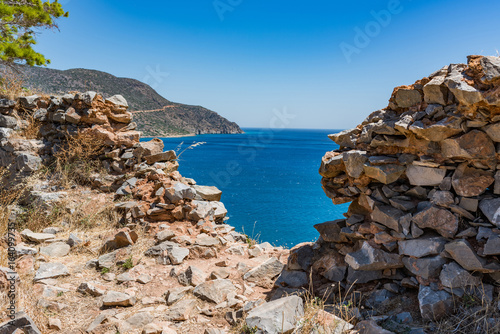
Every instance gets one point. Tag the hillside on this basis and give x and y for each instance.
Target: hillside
(177, 119)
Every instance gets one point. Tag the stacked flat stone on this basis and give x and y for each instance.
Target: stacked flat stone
(424, 186)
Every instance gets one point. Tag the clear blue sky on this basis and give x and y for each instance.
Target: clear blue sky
(246, 58)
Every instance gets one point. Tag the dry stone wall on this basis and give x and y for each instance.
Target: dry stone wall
(424, 186)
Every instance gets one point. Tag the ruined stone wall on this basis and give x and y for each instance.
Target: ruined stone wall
(422, 179)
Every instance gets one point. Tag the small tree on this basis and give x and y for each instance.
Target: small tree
(19, 22)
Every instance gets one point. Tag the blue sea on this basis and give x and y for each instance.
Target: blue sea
(269, 178)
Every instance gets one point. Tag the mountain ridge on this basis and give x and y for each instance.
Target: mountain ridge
(177, 119)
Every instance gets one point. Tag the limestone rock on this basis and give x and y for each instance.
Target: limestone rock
(370, 327)
(215, 291)
(369, 258)
(264, 273)
(208, 193)
(426, 267)
(438, 219)
(422, 247)
(464, 93)
(330, 231)
(474, 144)
(406, 98)
(425, 176)
(387, 215)
(114, 298)
(491, 69)
(50, 270)
(292, 279)
(453, 276)
(384, 173)
(491, 209)
(56, 249)
(277, 316)
(492, 246)
(463, 254)
(470, 182)
(346, 138)
(434, 304)
(435, 91)
(36, 237)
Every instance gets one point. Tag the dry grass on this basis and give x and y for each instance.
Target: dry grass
(473, 315)
(77, 159)
(11, 84)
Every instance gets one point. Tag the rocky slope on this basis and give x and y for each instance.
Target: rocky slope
(421, 237)
(177, 119)
(108, 237)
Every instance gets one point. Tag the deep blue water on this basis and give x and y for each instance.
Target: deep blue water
(269, 178)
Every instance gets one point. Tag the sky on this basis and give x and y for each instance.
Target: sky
(322, 64)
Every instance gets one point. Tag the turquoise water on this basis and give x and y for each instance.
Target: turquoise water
(269, 178)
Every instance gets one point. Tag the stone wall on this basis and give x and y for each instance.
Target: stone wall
(422, 179)
(140, 170)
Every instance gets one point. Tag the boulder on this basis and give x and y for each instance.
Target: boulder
(493, 130)
(425, 176)
(330, 231)
(8, 122)
(438, 219)
(422, 247)
(214, 291)
(50, 270)
(434, 304)
(264, 273)
(56, 249)
(439, 131)
(474, 144)
(36, 237)
(463, 92)
(182, 310)
(461, 251)
(331, 165)
(292, 279)
(369, 258)
(369, 327)
(123, 238)
(114, 298)
(435, 91)
(179, 191)
(208, 193)
(346, 138)
(384, 173)
(454, 277)
(491, 209)
(276, 317)
(470, 182)
(491, 69)
(406, 98)
(354, 163)
(426, 267)
(387, 215)
(117, 100)
(159, 157)
(147, 148)
(330, 265)
(492, 246)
